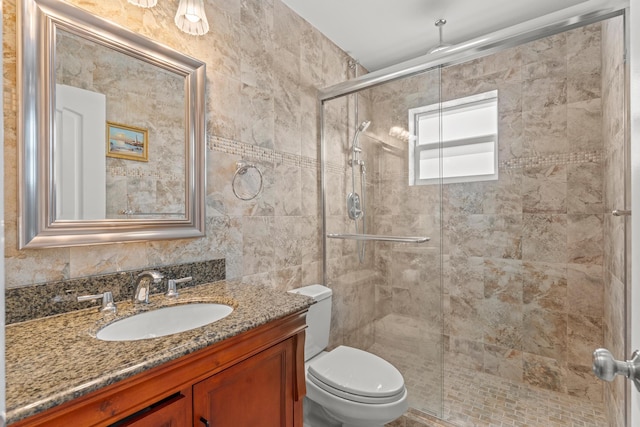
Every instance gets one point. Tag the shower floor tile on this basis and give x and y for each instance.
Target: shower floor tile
(476, 399)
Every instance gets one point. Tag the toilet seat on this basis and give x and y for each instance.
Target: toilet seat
(357, 375)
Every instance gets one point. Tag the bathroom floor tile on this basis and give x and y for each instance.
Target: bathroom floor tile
(475, 399)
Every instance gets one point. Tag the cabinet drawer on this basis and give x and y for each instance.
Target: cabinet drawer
(174, 411)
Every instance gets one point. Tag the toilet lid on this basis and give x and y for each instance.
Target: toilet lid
(358, 373)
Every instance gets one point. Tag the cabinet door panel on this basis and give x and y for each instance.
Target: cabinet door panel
(257, 392)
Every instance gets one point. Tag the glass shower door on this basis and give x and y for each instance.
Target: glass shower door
(386, 276)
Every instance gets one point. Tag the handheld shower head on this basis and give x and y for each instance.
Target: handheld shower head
(363, 126)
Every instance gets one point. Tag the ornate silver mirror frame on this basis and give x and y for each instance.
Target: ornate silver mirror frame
(37, 225)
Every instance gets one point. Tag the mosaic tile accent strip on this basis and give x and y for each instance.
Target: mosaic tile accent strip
(254, 152)
(507, 166)
(249, 151)
(553, 159)
(335, 168)
(143, 173)
(48, 299)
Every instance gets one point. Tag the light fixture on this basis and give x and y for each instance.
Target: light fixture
(400, 133)
(441, 46)
(191, 18)
(144, 3)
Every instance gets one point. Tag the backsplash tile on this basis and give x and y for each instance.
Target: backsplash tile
(51, 298)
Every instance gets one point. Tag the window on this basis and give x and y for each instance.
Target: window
(463, 131)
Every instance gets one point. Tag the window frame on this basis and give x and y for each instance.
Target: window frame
(438, 109)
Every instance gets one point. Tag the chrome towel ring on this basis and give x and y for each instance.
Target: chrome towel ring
(247, 181)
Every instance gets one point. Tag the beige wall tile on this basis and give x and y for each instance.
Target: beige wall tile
(545, 286)
(503, 362)
(543, 372)
(264, 66)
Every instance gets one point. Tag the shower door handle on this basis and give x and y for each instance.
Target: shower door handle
(620, 212)
(606, 367)
(380, 238)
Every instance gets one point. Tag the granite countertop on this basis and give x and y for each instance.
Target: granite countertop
(56, 359)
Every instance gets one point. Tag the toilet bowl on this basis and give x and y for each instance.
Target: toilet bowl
(355, 388)
(346, 387)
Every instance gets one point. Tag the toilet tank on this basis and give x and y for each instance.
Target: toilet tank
(318, 319)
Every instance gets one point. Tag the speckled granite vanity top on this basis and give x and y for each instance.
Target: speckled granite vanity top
(55, 359)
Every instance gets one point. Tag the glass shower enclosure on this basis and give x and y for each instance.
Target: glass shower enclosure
(468, 235)
(383, 252)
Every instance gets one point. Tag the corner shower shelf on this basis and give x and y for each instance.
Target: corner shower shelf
(380, 238)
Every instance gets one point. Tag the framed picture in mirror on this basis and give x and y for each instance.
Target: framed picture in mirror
(127, 142)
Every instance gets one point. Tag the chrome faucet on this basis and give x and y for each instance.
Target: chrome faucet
(143, 285)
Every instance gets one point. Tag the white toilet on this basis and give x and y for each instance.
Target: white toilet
(346, 387)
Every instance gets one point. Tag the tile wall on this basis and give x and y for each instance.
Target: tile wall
(353, 282)
(264, 66)
(524, 255)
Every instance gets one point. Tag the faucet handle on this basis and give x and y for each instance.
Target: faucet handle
(172, 291)
(108, 305)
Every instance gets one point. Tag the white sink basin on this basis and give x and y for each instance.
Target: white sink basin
(164, 321)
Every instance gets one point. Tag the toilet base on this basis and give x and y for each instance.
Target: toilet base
(316, 416)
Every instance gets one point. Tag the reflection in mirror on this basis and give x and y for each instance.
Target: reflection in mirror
(111, 131)
(137, 95)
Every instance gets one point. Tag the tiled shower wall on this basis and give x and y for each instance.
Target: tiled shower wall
(613, 100)
(353, 282)
(524, 255)
(264, 66)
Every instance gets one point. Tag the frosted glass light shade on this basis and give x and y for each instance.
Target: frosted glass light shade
(191, 18)
(144, 3)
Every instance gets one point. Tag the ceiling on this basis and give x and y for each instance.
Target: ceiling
(379, 33)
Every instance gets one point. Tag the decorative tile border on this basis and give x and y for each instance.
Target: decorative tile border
(331, 167)
(253, 152)
(48, 299)
(142, 173)
(511, 166)
(552, 159)
(257, 153)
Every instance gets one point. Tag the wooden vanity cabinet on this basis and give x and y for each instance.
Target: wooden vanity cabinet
(256, 392)
(255, 379)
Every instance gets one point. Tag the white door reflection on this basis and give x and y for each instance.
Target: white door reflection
(80, 165)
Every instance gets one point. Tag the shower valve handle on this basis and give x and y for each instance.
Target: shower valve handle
(606, 367)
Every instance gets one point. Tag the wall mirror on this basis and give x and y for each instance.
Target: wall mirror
(111, 132)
